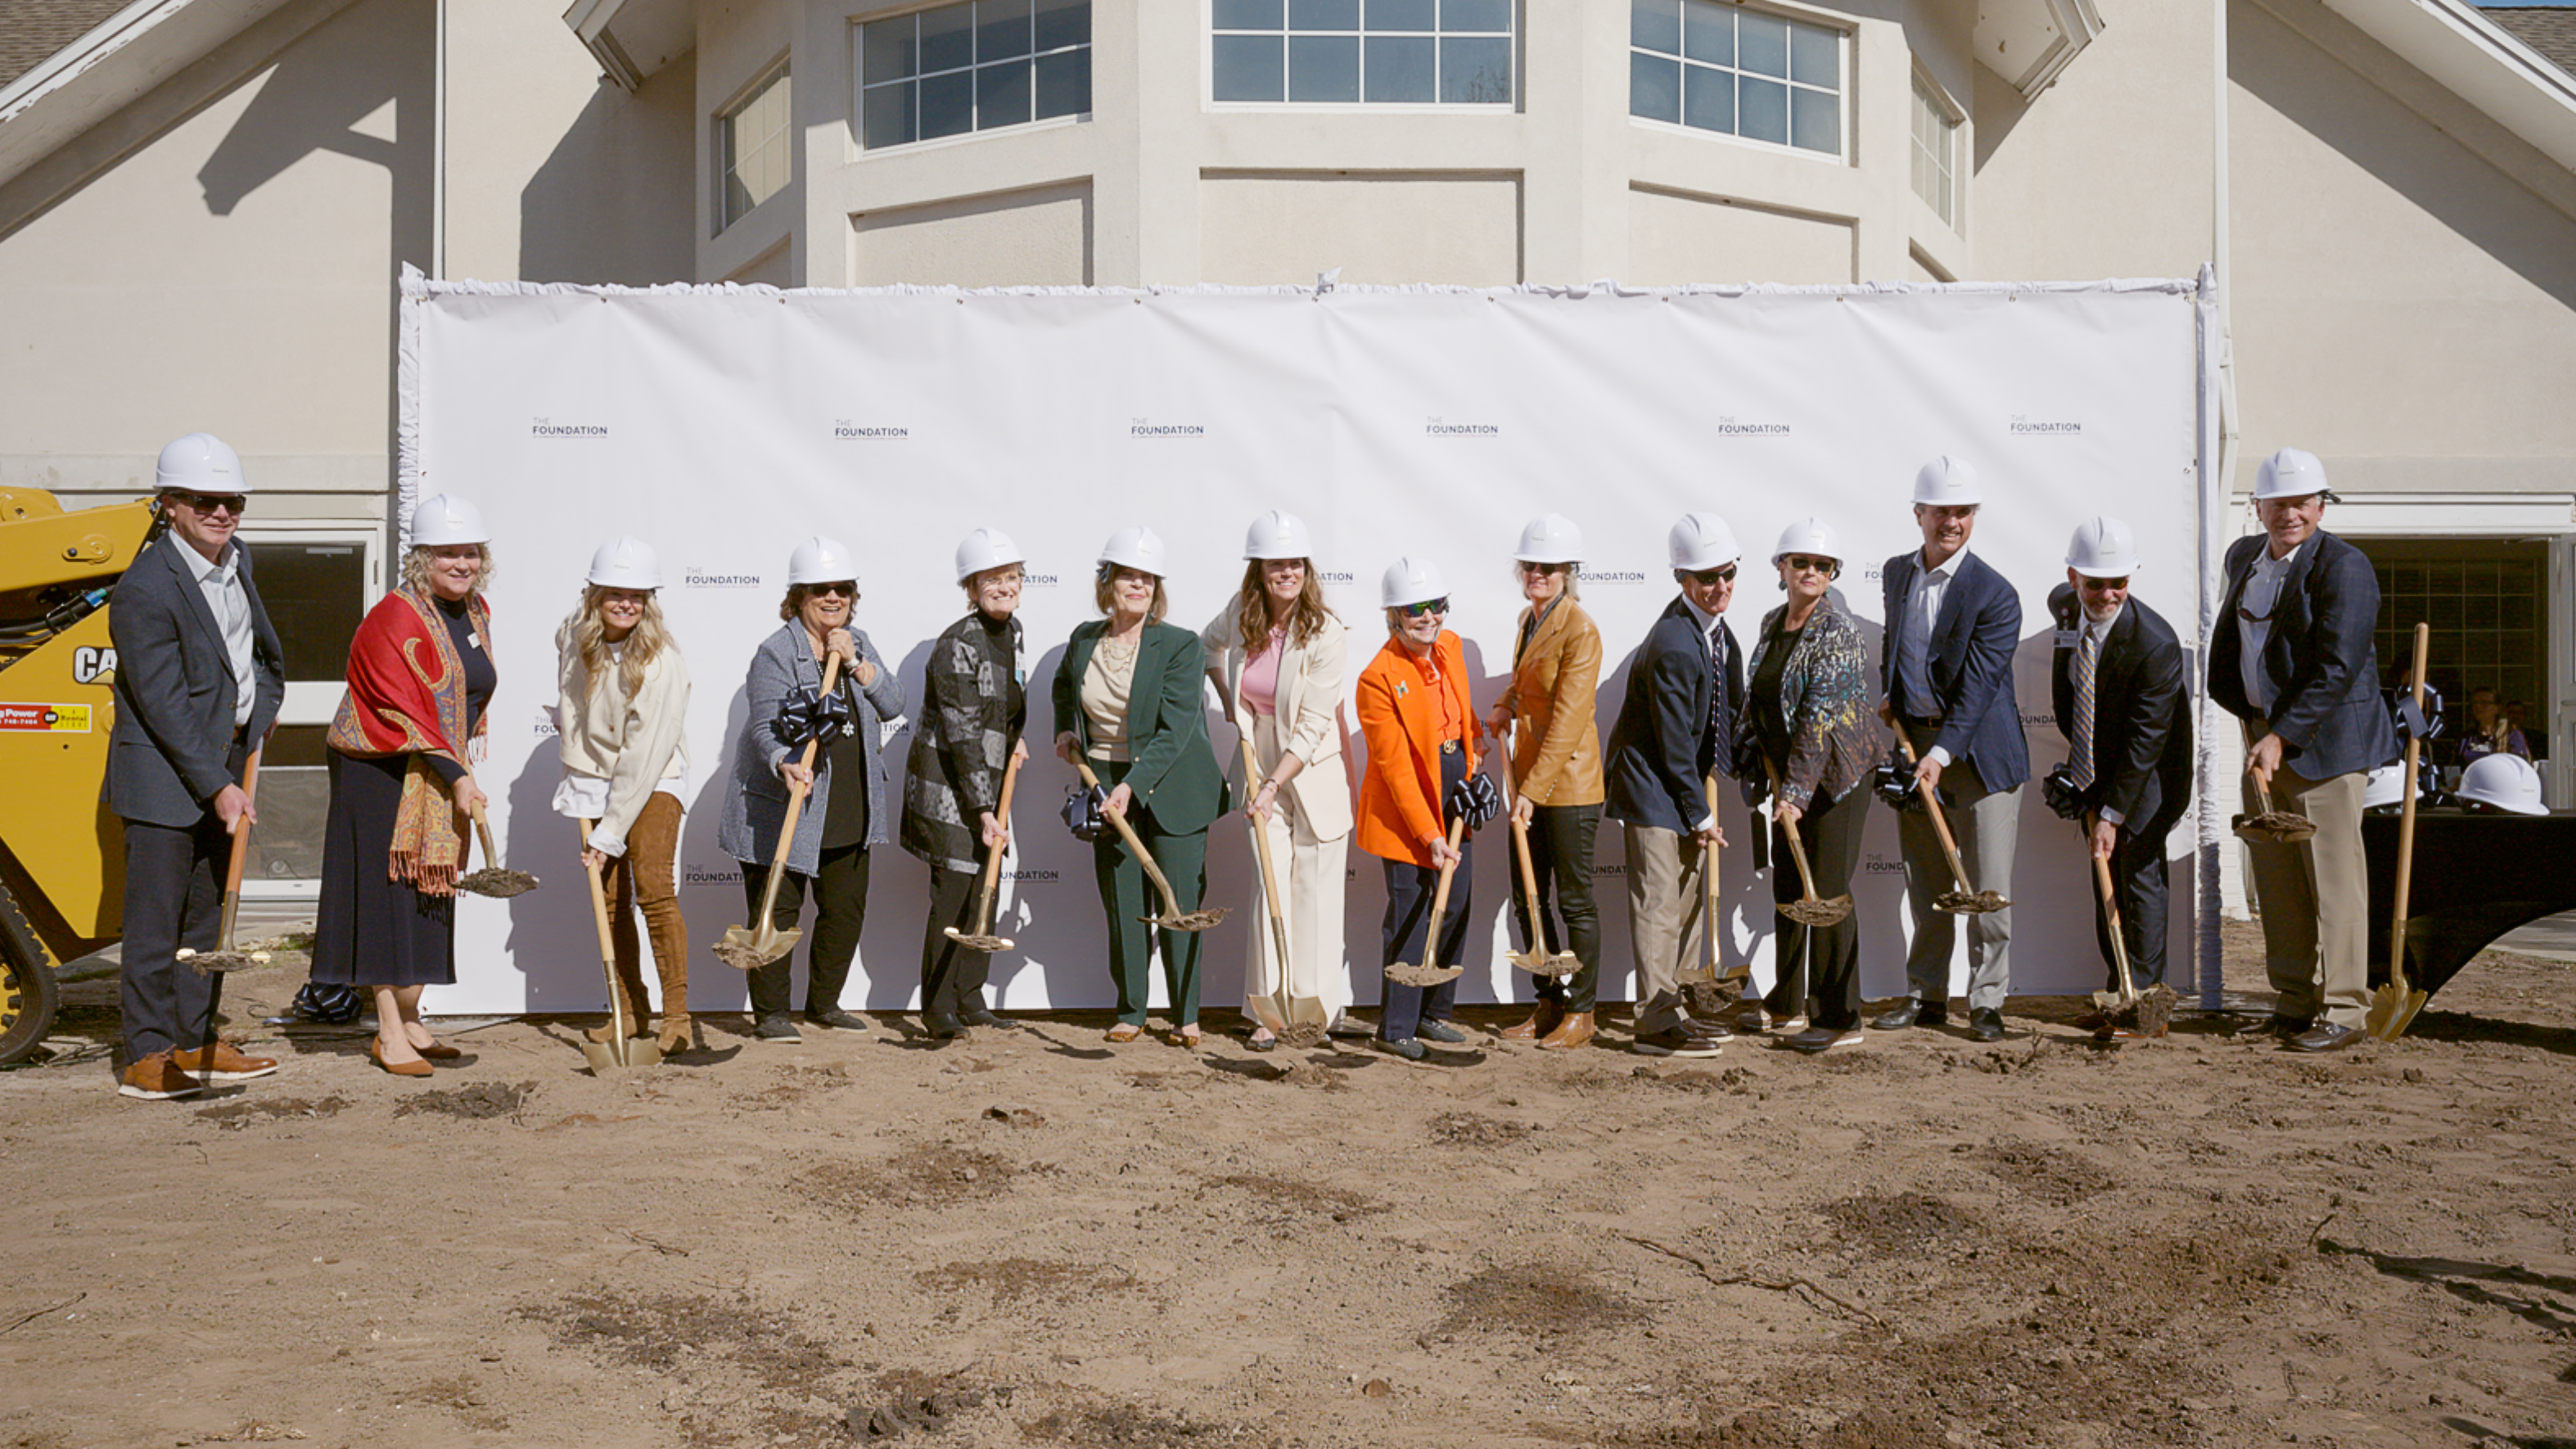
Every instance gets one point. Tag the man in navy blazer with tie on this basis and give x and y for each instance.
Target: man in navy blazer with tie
(1952, 626)
(2118, 684)
(199, 679)
(2293, 656)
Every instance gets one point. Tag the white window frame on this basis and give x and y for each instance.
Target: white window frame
(312, 702)
(1843, 92)
(859, 87)
(1928, 95)
(1207, 69)
(775, 74)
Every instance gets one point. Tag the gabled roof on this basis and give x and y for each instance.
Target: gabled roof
(2456, 44)
(34, 31)
(2550, 30)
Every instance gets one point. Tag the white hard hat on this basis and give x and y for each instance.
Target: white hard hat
(2507, 782)
(1551, 538)
(1808, 536)
(2290, 473)
(200, 463)
(1947, 482)
(625, 563)
(2387, 786)
(443, 518)
(1278, 535)
(986, 548)
(1411, 580)
(2103, 548)
(1136, 547)
(821, 560)
(1702, 541)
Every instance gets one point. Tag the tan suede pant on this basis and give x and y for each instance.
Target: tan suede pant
(643, 877)
(2315, 898)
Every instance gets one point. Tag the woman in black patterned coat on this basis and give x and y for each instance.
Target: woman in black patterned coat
(975, 703)
(1816, 735)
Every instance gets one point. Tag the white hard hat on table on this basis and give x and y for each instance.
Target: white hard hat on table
(442, 519)
(1811, 536)
(2507, 782)
(200, 463)
(1702, 541)
(1135, 547)
(1947, 482)
(2386, 786)
(1411, 580)
(1278, 535)
(2290, 473)
(1551, 538)
(820, 560)
(986, 548)
(625, 563)
(2103, 548)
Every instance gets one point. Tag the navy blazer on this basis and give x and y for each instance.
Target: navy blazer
(1972, 653)
(170, 753)
(2141, 714)
(2319, 655)
(1652, 766)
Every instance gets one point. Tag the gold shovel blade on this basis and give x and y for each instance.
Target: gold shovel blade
(744, 948)
(641, 1051)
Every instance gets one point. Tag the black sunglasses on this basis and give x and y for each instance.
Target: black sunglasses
(849, 587)
(2106, 586)
(1799, 563)
(1428, 606)
(1706, 577)
(232, 503)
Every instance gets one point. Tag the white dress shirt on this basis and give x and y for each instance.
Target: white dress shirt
(2261, 597)
(1922, 612)
(230, 602)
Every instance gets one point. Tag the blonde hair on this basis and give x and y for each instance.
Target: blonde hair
(1573, 576)
(643, 644)
(1252, 609)
(415, 570)
(1107, 602)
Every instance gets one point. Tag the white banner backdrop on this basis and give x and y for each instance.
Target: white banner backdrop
(723, 424)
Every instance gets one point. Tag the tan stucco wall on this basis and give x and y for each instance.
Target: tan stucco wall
(1037, 237)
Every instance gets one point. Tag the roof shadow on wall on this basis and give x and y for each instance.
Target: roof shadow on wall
(2450, 181)
(374, 54)
(615, 201)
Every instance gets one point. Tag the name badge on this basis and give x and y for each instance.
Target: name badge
(2066, 638)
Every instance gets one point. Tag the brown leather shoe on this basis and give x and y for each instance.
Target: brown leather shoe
(222, 1062)
(676, 1034)
(376, 1054)
(1542, 1021)
(1574, 1031)
(156, 1079)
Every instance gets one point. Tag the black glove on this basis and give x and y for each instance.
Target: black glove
(1082, 812)
(2423, 723)
(2062, 796)
(823, 719)
(1475, 800)
(1898, 787)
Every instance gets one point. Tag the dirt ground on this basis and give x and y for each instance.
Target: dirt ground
(1032, 1238)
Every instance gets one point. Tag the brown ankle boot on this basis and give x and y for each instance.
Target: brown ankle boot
(1574, 1031)
(677, 1033)
(1541, 1022)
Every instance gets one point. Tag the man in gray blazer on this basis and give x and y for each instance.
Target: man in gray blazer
(199, 679)
(2293, 657)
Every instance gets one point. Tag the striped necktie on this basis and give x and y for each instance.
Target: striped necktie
(2086, 655)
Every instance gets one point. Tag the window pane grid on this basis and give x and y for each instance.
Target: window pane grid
(1717, 68)
(1936, 148)
(1367, 52)
(753, 140)
(2488, 631)
(973, 67)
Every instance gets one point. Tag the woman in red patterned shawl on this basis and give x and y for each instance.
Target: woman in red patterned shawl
(402, 793)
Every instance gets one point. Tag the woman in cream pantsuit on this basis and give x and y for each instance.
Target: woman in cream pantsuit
(1276, 654)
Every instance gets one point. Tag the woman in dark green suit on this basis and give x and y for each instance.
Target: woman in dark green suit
(1128, 697)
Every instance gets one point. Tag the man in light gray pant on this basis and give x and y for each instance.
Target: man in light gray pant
(1952, 625)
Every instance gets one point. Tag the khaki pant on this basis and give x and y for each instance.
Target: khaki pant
(1308, 879)
(1666, 926)
(643, 878)
(2315, 897)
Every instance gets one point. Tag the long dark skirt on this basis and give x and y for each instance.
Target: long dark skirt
(370, 930)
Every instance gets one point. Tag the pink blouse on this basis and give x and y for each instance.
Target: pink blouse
(1261, 675)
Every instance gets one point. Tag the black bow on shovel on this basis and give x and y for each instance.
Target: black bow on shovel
(1475, 800)
(810, 715)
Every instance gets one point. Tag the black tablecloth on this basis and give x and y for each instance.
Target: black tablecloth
(2476, 877)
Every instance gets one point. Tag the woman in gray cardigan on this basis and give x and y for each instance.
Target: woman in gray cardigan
(849, 802)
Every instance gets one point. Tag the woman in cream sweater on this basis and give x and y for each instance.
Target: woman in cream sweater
(622, 698)
(1276, 654)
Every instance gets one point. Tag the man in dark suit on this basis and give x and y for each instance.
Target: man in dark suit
(1952, 625)
(1676, 725)
(199, 679)
(2292, 656)
(2117, 682)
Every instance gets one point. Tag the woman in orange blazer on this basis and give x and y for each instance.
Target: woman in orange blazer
(1556, 763)
(1421, 729)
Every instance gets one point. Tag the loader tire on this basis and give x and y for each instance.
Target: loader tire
(28, 992)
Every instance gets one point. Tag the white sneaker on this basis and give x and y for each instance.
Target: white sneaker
(1788, 1025)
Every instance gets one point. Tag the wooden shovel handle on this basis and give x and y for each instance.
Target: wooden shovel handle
(241, 850)
(483, 832)
(1797, 852)
(1261, 853)
(1440, 895)
(1708, 880)
(795, 805)
(607, 948)
(1520, 850)
(1135, 847)
(993, 862)
(2111, 913)
(2406, 820)
(1940, 822)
